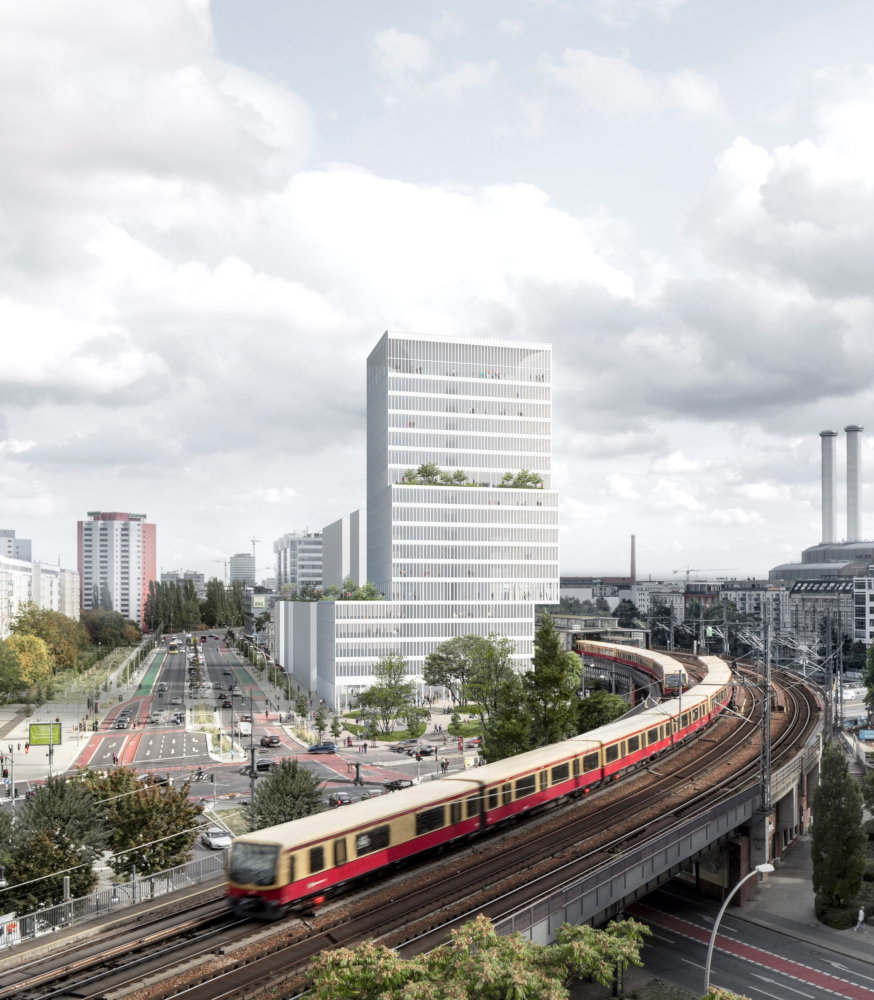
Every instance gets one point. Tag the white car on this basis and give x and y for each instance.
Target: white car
(216, 838)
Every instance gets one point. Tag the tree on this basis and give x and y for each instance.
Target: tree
(479, 963)
(552, 687)
(497, 690)
(838, 841)
(25, 664)
(627, 613)
(150, 826)
(109, 628)
(320, 722)
(300, 705)
(55, 830)
(449, 665)
(414, 719)
(391, 695)
(105, 597)
(64, 637)
(598, 709)
(288, 792)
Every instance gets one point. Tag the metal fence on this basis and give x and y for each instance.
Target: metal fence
(15, 929)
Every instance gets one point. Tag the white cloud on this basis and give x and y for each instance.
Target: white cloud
(447, 25)
(622, 12)
(511, 27)
(401, 57)
(453, 85)
(614, 86)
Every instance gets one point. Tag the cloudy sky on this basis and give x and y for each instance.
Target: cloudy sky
(209, 212)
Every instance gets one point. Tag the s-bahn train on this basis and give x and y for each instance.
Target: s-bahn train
(294, 865)
(669, 672)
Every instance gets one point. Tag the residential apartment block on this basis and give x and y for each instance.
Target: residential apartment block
(116, 551)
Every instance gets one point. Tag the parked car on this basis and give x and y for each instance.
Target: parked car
(270, 741)
(216, 838)
(322, 748)
(396, 784)
(340, 799)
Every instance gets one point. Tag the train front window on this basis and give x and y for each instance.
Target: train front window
(254, 864)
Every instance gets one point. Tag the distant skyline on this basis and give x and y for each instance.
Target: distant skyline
(212, 211)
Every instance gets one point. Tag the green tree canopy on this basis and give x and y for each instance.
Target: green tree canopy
(389, 698)
(479, 964)
(289, 792)
(551, 687)
(450, 663)
(598, 709)
(59, 828)
(627, 613)
(150, 826)
(838, 840)
(109, 628)
(64, 637)
(25, 664)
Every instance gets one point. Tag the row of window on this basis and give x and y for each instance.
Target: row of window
(497, 514)
(360, 665)
(414, 612)
(502, 445)
(477, 464)
(435, 630)
(492, 590)
(472, 496)
(439, 552)
(404, 383)
(403, 407)
(472, 369)
(498, 534)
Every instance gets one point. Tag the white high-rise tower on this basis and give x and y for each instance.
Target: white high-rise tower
(473, 550)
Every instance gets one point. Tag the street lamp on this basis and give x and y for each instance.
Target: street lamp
(763, 869)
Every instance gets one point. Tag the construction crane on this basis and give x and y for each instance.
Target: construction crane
(224, 563)
(707, 569)
(254, 542)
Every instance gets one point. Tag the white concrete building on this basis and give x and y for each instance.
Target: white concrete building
(469, 555)
(16, 588)
(68, 594)
(298, 559)
(116, 550)
(344, 549)
(14, 548)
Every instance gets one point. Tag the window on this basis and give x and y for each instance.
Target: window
(560, 773)
(430, 819)
(633, 744)
(577, 766)
(255, 864)
(652, 735)
(526, 786)
(372, 840)
(612, 752)
(493, 798)
(506, 793)
(339, 852)
(317, 859)
(544, 781)
(590, 762)
(455, 813)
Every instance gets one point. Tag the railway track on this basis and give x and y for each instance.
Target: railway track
(493, 875)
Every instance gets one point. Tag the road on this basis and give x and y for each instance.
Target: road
(748, 959)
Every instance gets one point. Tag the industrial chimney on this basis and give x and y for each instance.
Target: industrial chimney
(633, 563)
(854, 480)
(829, 485)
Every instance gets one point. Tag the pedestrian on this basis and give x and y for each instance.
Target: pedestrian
(860, 921)
(365, 746)
(27, 748)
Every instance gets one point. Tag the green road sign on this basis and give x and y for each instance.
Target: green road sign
(44, 734)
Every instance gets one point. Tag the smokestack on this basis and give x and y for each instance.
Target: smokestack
(854, 480)
(633, 564)
(829, 485)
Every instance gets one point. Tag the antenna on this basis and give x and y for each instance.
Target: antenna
(224, 563)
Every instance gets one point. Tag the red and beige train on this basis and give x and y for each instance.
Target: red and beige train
(294, 865)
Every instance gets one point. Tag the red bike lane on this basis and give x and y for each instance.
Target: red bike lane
(764, 959)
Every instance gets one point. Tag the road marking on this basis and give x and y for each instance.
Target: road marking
(774, 982)
(689, 961)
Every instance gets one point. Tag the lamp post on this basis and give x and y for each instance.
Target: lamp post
(763, 869)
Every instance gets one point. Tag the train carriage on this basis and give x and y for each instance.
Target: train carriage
(294, 864)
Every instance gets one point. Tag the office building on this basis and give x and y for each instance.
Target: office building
(179, 576)
(116, 560)
(298, 559)
(344, 549)
(14, 548)
(243, 569)
(468, 548)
